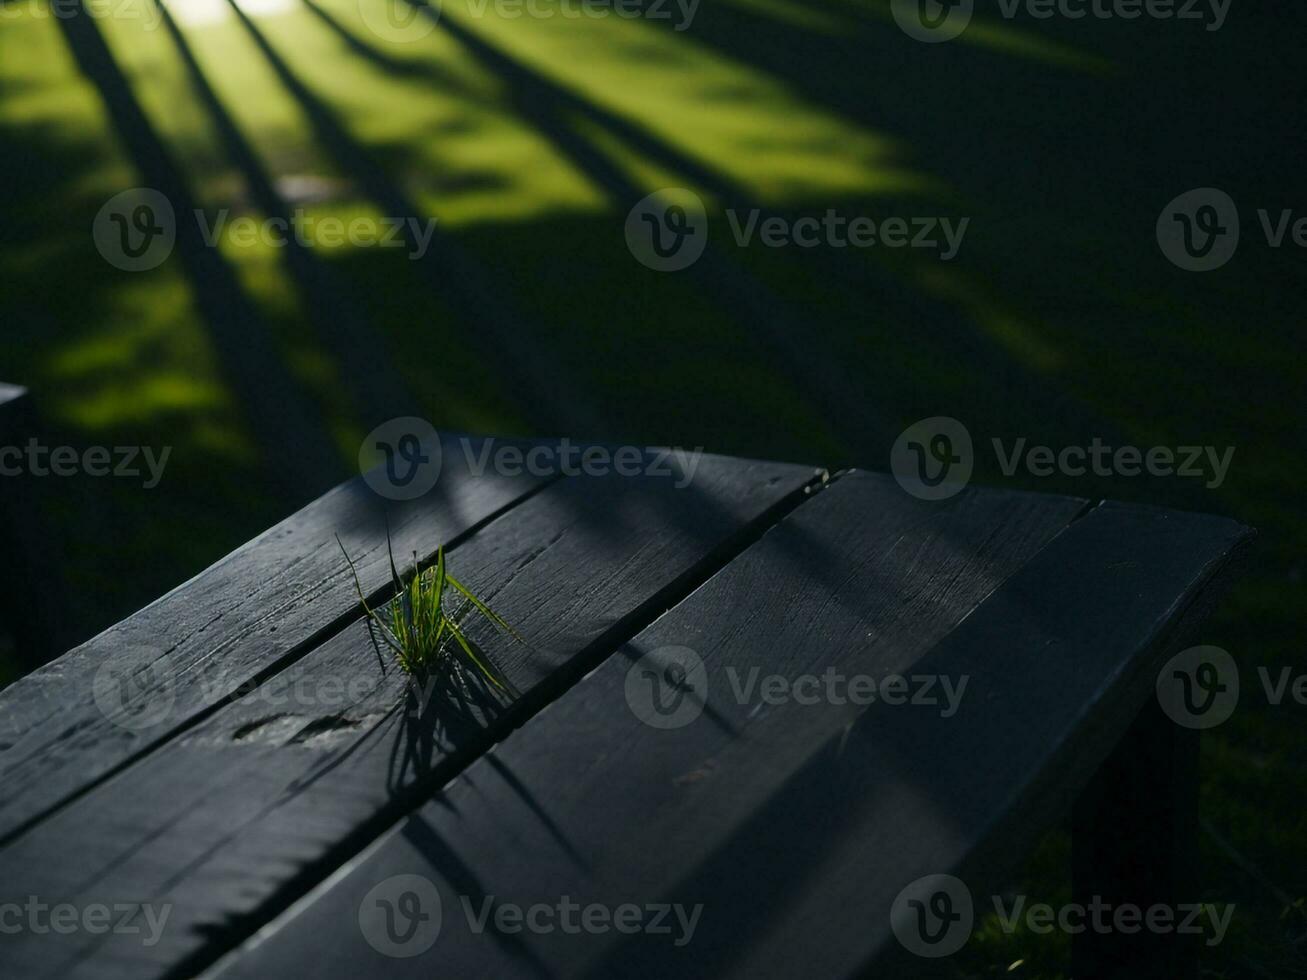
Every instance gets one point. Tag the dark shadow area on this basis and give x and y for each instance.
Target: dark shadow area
(442, 710)
(510, 341)
(555, 111)
(301, 460)
(1059, 324)
(378, 57)
(364, 365)
(467, 888)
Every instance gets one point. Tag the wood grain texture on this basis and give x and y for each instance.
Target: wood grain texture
(787, 821)
(242, 617)
(232, 819)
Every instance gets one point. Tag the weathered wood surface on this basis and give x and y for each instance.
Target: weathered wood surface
(241, 619)
(240, 813)
(796, 826)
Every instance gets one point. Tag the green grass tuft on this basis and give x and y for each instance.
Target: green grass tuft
(422, 623)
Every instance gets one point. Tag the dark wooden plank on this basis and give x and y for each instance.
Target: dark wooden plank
(242, 617)
(749, 808)
(1064, 658)
(795, 829)
(233, 819)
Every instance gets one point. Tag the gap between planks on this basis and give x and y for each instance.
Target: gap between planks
(371, 832)
(296, 653)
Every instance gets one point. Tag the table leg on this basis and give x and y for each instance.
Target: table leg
(1135, 843)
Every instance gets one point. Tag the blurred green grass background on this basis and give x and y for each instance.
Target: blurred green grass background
(529, 139)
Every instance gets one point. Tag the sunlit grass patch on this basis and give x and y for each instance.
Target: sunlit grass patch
(705, 106)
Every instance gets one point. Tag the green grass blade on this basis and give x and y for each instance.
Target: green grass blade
(485, 610)
(486, 670)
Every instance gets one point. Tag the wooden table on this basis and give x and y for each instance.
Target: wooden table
(239, 757)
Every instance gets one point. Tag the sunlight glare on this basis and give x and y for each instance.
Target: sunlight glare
(198, 13)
